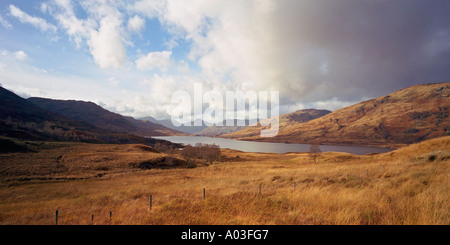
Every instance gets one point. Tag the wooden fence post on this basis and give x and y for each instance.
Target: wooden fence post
(56, 217)
(151, 200)
(204, 194)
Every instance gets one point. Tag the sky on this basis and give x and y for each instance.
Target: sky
(131, 56)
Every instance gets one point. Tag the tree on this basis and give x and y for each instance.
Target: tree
(207, 152)
(210, 152)
(189, 153)
(314, 151)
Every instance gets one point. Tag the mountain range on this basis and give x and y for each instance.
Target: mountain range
(300, 116)
(214, 130)
(405, 116)
(168, 124)
(97, 116)
(52, 120)
(297, 116)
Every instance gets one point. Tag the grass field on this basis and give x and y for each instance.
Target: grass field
(406, 186)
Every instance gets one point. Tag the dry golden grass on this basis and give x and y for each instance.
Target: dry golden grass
(407, 186)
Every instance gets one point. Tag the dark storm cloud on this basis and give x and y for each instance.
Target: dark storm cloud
(354, 49)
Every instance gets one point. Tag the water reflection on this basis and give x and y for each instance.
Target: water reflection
(249, 146)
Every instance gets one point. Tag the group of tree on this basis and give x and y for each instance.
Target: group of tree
(206, 152)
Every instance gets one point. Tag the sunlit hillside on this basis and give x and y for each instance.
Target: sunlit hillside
(406, 116)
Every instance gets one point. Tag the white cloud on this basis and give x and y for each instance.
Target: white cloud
(230, 39)
(160, 60)
(101, 30)
(44, 7)
(158, 91)
(5, 23)
(183, 67)
(113, 81)
(106, 44)
(39, 70)
(35, 21)
(17, 55)
(161, 88)
(77, 29)
(136, 24)
(20, 55)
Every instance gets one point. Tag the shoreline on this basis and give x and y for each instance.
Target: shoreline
(262, 149)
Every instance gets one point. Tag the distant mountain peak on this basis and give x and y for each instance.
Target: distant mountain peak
(298, 116)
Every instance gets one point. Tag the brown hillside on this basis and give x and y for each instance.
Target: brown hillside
(300, 116)
(406, 116)
(91, 113)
